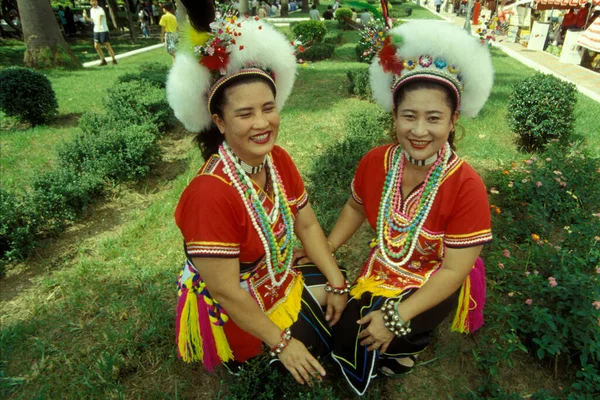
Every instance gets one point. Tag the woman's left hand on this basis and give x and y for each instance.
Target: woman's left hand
(335, 306)
(376, 335)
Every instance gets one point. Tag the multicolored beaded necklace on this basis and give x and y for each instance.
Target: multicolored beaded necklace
(389, 219)
(278, 256)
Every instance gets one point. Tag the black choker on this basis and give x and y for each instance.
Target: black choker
(421, 163)
(249, 169)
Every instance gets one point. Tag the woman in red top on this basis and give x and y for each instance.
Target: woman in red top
(428, 207)
(239, 287)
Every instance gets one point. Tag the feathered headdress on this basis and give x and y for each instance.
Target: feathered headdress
(437, 51)
(212, 51)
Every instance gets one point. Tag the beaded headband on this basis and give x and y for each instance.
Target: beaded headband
(233, 47)
(433, 51)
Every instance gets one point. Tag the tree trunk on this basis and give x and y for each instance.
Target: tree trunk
(285, 11)
(244, 8)
(131, 21)
(114, 9)
(181, 13)
(305, 6)
(46, 46)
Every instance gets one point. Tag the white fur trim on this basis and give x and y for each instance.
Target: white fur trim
(188, 80)
(440, 39)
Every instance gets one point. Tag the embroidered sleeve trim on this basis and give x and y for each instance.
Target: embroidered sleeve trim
(302, 200)
(213, 249)
(354, 194)
(469, 239)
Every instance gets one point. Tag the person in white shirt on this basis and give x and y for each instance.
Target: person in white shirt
(101, 36)
(314, 13)
(336, 5)
(365, 17)
(254, 7)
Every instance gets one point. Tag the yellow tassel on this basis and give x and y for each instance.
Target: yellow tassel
(372, 286)
(223, 349)
(198, 38)
(460, 318)
(190, 340)
(286, 313)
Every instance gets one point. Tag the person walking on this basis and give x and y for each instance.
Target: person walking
(168, 29)
(101, 37)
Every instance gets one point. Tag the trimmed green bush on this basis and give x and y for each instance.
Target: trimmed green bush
(153, 73)
(62, 194)
(542, 107)
(121, 155)
(318, 52)
(27, 94)
(358, 83)
(138, 103)
(333, 37)
(331, 173)
(340, 13)
(17, 227)
(309, 32)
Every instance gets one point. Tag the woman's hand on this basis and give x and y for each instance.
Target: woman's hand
(300, 257)
(301, 364)
(376, 335)
(335, 306)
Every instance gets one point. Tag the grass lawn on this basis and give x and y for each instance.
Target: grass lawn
(92, 316)
(418, 12)
(12, 50)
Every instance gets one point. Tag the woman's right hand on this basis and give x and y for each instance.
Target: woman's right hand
(301, 364)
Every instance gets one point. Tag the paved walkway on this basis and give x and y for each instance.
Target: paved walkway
(587, 81)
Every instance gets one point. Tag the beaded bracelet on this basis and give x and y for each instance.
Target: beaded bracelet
(338, 289)
(286, 336)
(392, 319)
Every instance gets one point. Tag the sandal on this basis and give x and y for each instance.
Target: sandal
(390, 367)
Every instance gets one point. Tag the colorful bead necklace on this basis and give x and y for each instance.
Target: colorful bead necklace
(278, 256)
(390, 218)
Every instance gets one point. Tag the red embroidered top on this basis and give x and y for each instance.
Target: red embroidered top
(459, 217)
(214, 222)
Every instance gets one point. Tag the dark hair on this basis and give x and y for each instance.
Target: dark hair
(330, 7)
(413, 86)
(210, 139)
(201, 13)
(168, 7)
(314, 6)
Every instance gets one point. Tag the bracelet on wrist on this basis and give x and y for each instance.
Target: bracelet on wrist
(329, 288)
(392, 319)
(286, 336)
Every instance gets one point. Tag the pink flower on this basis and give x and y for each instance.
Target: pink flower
(596, 215)
(563, 184)
(598, 270)
(529, 302)
(552, 282)
(528, 162)
(538, 184)
(506, 253)
(596, 305)
(500, 265)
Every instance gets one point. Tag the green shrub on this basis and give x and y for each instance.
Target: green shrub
(18, 224)
(331, 173)
(542, 108)
(62, 194)
(333, 37)
(309, 32)
(359, 84)
(329, 24)
(138, 103)
(27, 94)
(153, 73)
(342, 13)
(121, 155)
(318, 52)
(545, 263)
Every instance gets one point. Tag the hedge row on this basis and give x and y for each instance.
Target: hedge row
(119, 146)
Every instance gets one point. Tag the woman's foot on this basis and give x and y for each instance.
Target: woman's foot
(397, 366)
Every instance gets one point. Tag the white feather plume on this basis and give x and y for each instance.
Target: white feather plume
(440, 39)
(263, 45)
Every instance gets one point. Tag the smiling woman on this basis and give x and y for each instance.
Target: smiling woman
(239, 287)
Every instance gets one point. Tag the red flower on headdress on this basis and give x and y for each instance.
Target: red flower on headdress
(217, 61)
(388, 58)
